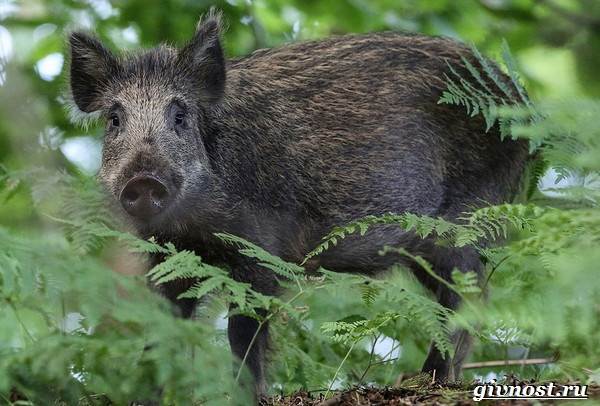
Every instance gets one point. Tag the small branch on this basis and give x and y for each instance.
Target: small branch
(340, 368)
(487, 280)
(20, 321)
(578, 19)
(370, 359)
(260, 326)
(258, 31)
(501, 363)
(245, 359)
(385, 361)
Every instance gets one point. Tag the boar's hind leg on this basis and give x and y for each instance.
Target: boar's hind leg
(444, 260)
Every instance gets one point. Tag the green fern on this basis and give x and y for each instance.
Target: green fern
(423, 226)
(76, 199)
(265, 259)
(487, 223)
(485, 91)
(369, 292)
(426, 314)
(354, 328)
(429, 315)
(466, 283)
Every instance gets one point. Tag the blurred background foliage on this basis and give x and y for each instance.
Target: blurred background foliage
(556, 45)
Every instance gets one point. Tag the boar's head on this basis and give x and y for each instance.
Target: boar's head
(155, 160)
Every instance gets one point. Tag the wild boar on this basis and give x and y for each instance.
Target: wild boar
(282, 145)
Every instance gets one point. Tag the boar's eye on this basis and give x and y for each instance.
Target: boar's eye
(179, 118)
(114, 120)
(176, 115)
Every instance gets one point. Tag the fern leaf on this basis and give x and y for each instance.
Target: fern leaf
(264, 258)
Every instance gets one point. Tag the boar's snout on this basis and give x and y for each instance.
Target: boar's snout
(144, 196)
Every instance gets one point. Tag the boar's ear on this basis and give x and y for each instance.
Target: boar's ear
(92, 66)
(203, 55)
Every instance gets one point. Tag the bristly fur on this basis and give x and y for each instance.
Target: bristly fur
(282, 145)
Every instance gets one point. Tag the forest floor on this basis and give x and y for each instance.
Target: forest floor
(413, 393)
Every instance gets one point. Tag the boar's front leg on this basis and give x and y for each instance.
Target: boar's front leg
(249, 344)
(248, 338)
(171, 290)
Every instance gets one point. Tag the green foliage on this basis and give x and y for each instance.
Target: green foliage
(264, 259)
(75, 198)
(540, 271)
(485, 91)
(42, 279)
(547, 265)
(566, 133)
(352, 329)
(487, 223)
(466, 282)
(208, 279)
(71, 329)
(416, 308)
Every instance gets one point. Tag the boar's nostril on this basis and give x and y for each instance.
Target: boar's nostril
(144, 196)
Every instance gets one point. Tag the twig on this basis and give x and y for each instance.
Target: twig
(578, 19)
(340, 367)
(399, 380)
(385, 361)
(501, 363)
(20, 321)
(370, 359)
(258, 31)
(260, 325)
(487, 280)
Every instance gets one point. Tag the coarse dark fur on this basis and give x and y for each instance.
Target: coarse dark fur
(282, 145)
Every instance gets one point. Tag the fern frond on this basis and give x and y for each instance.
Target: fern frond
(493, 73)
(354, 328)
(423, 226)
(182, 265)
(429, 315)
(490, 223)
(369, 293)
(421, 311)
(76, 198)
(513, 73)
(484, 90)
(466, 282)
(265, 259)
